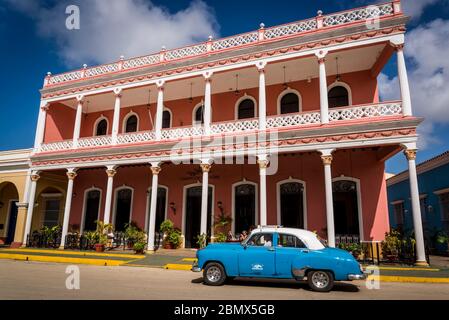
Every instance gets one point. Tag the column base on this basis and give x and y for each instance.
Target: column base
(61, 248)
(421, 264)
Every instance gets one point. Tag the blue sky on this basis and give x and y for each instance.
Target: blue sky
(34, 41)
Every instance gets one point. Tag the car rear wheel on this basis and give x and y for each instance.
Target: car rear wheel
(214, 274)
(321, 281)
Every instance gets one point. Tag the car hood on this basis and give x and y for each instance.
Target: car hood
(218, 246)
(337, 253)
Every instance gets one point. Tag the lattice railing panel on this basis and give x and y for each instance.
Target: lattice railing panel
(186, 52)
(236, 41)
(56, 146)
(141, 61)
(294, 120)
(239, 126)
(369, 111)
(290, 29)
(65, 77)
(100, 70)
(373, 11)
(180, 133)
(137, 137)
(100, 141)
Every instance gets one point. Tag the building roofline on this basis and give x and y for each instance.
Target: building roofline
(423, 167)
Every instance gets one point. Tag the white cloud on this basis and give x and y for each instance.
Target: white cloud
(115, 27)
(415, 8)
(426, 50)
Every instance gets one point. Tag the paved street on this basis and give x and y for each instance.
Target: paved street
(33, 280)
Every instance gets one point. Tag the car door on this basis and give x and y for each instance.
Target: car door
(258, 257)
(289, 248)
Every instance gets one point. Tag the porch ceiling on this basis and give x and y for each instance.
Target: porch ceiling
(352, 60)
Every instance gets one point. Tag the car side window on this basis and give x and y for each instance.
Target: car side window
(261, 240)
(290, 241)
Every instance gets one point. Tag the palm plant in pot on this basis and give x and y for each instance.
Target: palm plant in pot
(102, 235)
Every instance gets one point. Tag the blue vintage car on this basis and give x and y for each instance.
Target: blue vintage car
(278, 253)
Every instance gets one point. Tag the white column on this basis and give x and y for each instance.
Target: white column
(403, 81)
(31, 198)
(107, 207)
(159, 110)
(71, 175)
(155, 170)
(207, 103)
(324, 103)
(40, 131)
(116, 119)
(263, 165)
(262, 96)
(327, 161)
(416, 208)
(205, 167)
(77, 128)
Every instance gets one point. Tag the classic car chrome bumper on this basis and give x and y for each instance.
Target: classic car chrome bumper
(195, 267)
(357, 276)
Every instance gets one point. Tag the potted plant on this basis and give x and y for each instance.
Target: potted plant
(443, 238)
(102, 235)
(139, 247)
(221, 237)
(133, 234)
(174, 239)
(391, 245)
(353, 248)
(202, 240)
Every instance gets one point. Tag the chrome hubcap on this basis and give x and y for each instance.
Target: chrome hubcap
(213, 274)
(320, 279)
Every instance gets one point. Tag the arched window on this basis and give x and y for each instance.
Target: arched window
(166, 119)
(246, 109)
(131, 124)
(198, 115)
(123, 207)
(291, 206)
(91, 209)
(289, 102)
(338, 97)
(101, 128)
(244, 206)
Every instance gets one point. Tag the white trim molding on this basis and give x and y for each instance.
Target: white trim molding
(114, 211)
(83, 213)
(102, 117)
(359, 202)
(344, 85)
(304, 199)
(256, 208)
(239, 101)
(283, 94)
(125, 120)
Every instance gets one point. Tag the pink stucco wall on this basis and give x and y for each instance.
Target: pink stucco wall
(360, 164)
(60, 120)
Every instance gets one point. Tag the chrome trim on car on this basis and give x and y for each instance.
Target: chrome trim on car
(195, 267)
(357, 276)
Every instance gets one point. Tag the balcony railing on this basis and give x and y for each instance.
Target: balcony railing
(370, 111)
(214, 46)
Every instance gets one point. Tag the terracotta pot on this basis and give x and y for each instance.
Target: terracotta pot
(99, 248)
(140, 251)
(168, 245)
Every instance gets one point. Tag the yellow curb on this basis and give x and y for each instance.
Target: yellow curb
(408, 279)
(181, 267)
(96, 262)
(76, 253)
(402, 269)
(189, 259)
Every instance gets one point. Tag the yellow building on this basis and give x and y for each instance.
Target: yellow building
(14, 185)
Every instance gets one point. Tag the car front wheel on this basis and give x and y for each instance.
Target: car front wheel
(321, 281)
(214, 274)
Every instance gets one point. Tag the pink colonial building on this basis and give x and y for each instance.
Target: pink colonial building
(280, 126)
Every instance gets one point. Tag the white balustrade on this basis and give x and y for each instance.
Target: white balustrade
(371, 111)
(278, 32)
(91, 142)
(367, 111)
(290, 29)
(295, 119)
(370, 12)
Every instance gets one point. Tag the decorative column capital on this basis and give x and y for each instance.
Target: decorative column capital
(35, 177)
(410, 154)
(160, 85)
(327, 159)
(205, 167)
(321, 55)
(111, 173)
(71, 174)
(263, 163)
(155, 170)
(208, 76)
(45, 107)
(118, 92)
(80, 99)
(261, 65)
